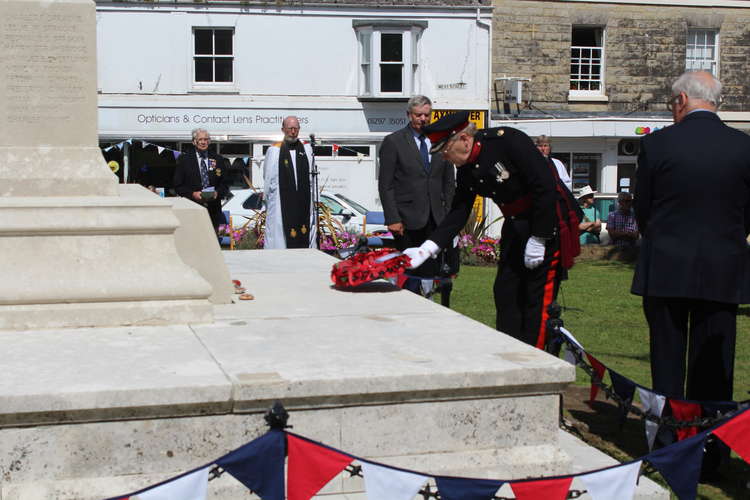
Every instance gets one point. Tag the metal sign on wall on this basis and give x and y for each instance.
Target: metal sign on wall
(479, 118)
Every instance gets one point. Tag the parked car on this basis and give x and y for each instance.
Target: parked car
(246, 203)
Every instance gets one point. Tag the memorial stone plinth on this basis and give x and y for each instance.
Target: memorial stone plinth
(378, 372)
(78, 249)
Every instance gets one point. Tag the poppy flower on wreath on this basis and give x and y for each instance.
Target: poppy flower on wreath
(364, 267)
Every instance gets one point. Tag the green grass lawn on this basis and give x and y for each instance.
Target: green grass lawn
(601, 313)
(608, 321)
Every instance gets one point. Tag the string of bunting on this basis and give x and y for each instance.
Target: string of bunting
(245, 159)
(282, 465)
(687, 416)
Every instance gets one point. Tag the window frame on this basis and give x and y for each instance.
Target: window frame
(578, 94)
(716, 47)
(369, 57)
(213, 86)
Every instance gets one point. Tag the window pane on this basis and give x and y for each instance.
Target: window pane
(391, 48)
(390, 77)
(224, 69)
(223, 42)
(203, 42)
(204, 69)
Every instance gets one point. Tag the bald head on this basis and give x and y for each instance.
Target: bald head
(290, 127)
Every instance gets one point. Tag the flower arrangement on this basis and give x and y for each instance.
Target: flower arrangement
(236, 234)
(338, 240)
(483, 250)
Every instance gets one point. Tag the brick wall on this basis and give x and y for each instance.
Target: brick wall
(644, 51)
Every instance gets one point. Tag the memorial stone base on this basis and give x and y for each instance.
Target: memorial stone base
(379, 372)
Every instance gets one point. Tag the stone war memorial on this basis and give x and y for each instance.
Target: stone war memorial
(126, 363)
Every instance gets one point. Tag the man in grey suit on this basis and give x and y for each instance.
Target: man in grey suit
(416, 188)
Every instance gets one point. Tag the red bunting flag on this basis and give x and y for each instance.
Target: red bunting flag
(310, 467)
(735, 434)
(599, 370)
(335, 148)
(684, 411)
(551, 489)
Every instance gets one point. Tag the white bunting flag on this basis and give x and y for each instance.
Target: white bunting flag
(617, 483)
(194, 486)
(144, 144)
(653, 404)
(383, 483)
(568, 354)
(159, 149)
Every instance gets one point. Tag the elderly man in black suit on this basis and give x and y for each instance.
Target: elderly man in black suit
(202, 176)
(416, 187)
(692, 206)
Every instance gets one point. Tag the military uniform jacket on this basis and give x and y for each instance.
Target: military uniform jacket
(692, 204)
(510, 170)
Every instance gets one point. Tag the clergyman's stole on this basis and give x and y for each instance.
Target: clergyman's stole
(295, 198)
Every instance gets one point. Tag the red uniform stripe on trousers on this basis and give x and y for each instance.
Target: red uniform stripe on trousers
(549, 291)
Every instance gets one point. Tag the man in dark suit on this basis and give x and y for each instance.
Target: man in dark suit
(416, 188)
(692, 206)
(203, 176)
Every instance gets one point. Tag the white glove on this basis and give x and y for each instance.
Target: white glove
(419, 255)
(534, 254)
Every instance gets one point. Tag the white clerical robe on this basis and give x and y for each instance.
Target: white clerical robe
(274, 237)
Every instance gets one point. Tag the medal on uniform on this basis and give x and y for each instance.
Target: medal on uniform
(293, 233)
(502, 172)
(304, 229)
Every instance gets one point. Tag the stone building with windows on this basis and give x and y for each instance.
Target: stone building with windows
(596, 75)
(236, 68)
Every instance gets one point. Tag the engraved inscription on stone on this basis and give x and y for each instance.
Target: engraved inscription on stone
(47, 63)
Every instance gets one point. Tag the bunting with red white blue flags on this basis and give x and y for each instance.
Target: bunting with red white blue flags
(260, 465)
(685, 411)
(653, 404)
(599, 370)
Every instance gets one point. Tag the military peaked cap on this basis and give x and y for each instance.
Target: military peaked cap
(445, 128)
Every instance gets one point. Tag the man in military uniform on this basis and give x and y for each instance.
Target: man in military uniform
(503, 164)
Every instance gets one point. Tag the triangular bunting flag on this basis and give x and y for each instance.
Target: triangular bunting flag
(625, 389)
(129, 141)
(311, 466)
(617, 483)
(144, 144)
(599, 370)
(245, 160)
(735, 434)
(570, 350)
(159, 149)
(384, 483)
(653, 404)
(259, 465)
(548, 489)
(685, 411)
(120, 145)
(176, 154)
(456, 488)
(193, 486)
(680, 464)
(108, 149)
(570, 336)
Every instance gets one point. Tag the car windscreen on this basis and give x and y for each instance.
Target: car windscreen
(359, 208)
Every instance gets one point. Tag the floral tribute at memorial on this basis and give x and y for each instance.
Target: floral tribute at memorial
(282, 465)
(368, 266)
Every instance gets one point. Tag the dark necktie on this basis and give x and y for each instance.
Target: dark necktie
(204, 170)
(424, 153)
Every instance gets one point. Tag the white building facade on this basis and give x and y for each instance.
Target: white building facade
(237, 68)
